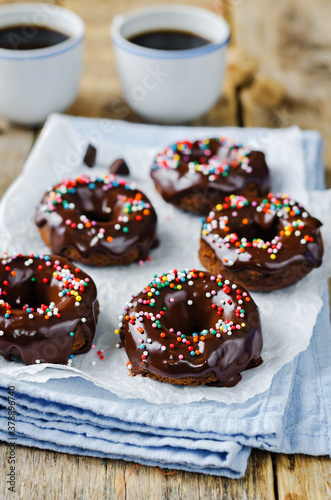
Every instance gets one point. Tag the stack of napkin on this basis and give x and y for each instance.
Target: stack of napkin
(293, 416)
(74, 416)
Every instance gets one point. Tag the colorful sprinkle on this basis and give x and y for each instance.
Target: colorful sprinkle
(233, 248)
(153, 311)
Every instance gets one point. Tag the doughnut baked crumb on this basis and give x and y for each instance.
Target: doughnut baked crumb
(101, 221)
(195, 175)
(262, 243)
(48, 309)
(192, 328)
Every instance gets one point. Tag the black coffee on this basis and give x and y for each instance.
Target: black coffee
(26, 37)
(169, 40)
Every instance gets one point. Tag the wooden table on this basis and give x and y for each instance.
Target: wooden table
(269, 476)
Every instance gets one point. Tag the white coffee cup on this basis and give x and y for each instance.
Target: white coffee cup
(36, 82)
(171, 86)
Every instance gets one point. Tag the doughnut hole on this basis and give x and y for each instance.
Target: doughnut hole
(263, 226)
(98, 205)
(254, 231)
(189, 318)
(95, 204)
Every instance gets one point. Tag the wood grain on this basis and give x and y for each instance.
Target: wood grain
(300, 477)
(15, 145)
(68, 476)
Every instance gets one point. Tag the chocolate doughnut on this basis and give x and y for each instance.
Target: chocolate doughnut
(48, 309)
(196, 175)
(102, 222)
(192, 328)
(263, 244)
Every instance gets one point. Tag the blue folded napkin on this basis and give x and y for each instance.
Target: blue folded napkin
(74, 416)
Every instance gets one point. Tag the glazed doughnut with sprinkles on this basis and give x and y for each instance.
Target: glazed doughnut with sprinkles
(196, 175)
(191, 328)
(98, 221)
(262, 243)
(48, 309)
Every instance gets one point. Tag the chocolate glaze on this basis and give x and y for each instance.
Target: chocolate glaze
(225, 168)
(194, 302)
(102, 218)
(42, 335)
(282, 224)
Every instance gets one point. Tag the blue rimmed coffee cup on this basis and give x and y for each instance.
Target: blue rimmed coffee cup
(171, 86)
(38, 81)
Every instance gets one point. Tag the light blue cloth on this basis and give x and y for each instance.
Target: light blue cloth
(294, 415)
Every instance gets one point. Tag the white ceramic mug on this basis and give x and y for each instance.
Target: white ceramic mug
(171, 86)
(36, 82)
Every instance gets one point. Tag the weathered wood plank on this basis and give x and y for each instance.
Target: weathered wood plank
(15, 145)
(300, 477)
(58, 475)
(257, 484)
(70, 476)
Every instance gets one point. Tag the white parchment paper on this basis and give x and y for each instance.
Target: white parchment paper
(288, 316)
